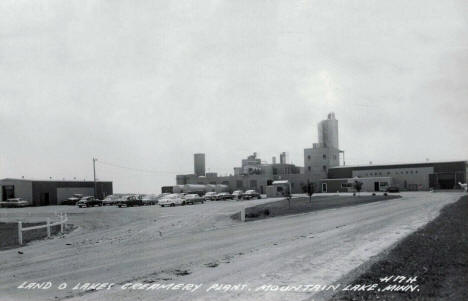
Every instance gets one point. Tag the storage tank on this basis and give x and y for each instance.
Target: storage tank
(193, 188)
(177, 189)
(221, 188)
(210, 187)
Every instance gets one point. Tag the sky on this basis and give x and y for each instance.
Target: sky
(142, 85)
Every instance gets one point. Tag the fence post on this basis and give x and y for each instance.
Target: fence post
(242, 213)
(61, 222)
(48, 227)
(20, 233)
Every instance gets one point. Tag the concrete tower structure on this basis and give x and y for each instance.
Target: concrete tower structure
(325, 153)
(328, 132)
(199, 164)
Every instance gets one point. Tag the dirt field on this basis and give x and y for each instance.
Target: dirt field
(436, 254)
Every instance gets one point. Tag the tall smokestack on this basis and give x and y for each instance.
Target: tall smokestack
(199, 164)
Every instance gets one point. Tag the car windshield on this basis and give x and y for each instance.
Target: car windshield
(173, 196)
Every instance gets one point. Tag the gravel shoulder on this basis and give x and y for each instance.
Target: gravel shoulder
(437, 254)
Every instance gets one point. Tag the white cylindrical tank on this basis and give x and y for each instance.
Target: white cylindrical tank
(177, 189)
(188, 188)
(221, 188)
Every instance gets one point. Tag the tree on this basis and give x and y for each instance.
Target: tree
(309, 189)
(358, 186)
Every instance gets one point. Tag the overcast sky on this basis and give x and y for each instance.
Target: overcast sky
(145, 84)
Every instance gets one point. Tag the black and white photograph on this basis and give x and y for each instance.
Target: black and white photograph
(271, 150)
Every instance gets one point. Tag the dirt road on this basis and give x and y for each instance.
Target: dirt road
(202, 245)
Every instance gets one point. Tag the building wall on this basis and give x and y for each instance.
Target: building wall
(319, 159)
(45, 192)
(22, 189)
(347, 185)
(404, 178)
(417, 176)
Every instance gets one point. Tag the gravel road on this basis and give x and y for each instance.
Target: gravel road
(201, 245)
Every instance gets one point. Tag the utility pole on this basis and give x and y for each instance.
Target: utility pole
(94, 173)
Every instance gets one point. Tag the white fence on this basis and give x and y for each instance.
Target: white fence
(48, 224)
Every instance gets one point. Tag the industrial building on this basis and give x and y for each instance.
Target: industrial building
(50, 192)
(411, 176)
(323, 168)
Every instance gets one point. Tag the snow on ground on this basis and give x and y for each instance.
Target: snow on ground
(201, 245)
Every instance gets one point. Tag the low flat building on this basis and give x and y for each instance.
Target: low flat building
(347, 184)
(50, 192)
(407, 176)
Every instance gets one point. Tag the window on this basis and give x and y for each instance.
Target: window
(324, 156)
(239, 184)
(346, 185)
(415, 171)
(309, 168)
(324, 168)
(388, 172)
(308, 157)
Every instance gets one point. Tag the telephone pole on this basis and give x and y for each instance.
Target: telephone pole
(94, 173)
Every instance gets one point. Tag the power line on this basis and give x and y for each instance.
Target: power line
(138, 169)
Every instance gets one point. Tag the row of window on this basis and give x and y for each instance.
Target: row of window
(324, 167)
(324, 156)
(389, 173)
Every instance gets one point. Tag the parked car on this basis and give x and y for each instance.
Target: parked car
(224, 196)
(192, 198)
(110, 200)
(237, 194)
(251, 194)
(210, 196)
(88, 201)
(149, 199)
(130, 201)
(393, 189)
(171, 200)
(14, 202)
(73, 199)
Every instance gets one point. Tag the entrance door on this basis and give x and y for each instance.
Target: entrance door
(376, 186)
(324, 187)
(8, 192)
(45, 199)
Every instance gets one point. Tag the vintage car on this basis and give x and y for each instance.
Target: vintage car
(89, 201)
(393, 189)
(224, 196)
(251, 194)
(210, 196)
(130, 201)
(14, 202)
(171, 200)
(237, 194)
(193, 199)
(110, 200)
(73, 199)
